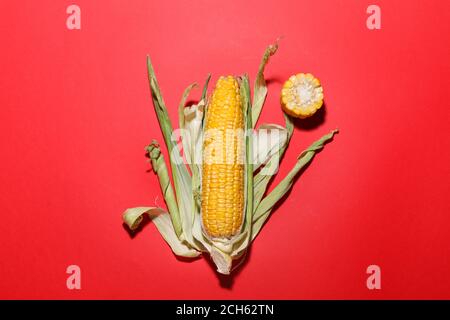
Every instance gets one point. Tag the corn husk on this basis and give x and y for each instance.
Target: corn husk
(260, 87)
(181, 227)
(161, 218)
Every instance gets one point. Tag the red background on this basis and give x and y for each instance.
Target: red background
(75, 115)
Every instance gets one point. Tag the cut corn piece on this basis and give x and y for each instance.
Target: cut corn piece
(301, 95)
(223, 166)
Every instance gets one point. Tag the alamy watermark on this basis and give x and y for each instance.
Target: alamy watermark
(74, 279)
(373, 21)
(73, 21)
(374, 279)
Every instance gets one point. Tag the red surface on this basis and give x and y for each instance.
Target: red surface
(75, 115)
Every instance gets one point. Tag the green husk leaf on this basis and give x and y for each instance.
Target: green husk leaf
(180, 174)
(245, 94)
(205, 87)
(260, 88)
(267, 172)
(134, 216)
(160, 168)
(263, 210)
(205, 100)
(160, 107)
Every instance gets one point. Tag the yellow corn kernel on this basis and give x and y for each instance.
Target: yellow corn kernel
(301, 95)
(223, 166)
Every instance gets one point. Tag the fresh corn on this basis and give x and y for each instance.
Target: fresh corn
(220, 206)
(301, 95)
(223, 168)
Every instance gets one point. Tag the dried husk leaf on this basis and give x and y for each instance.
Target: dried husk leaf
(222, 260)
(270, 168)
(268, 139)
(161, 218)
(196, 144)
(182, 118)
(191, 133)
(260, 87)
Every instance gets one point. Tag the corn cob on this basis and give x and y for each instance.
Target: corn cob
(302, 95)
(223, 168)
